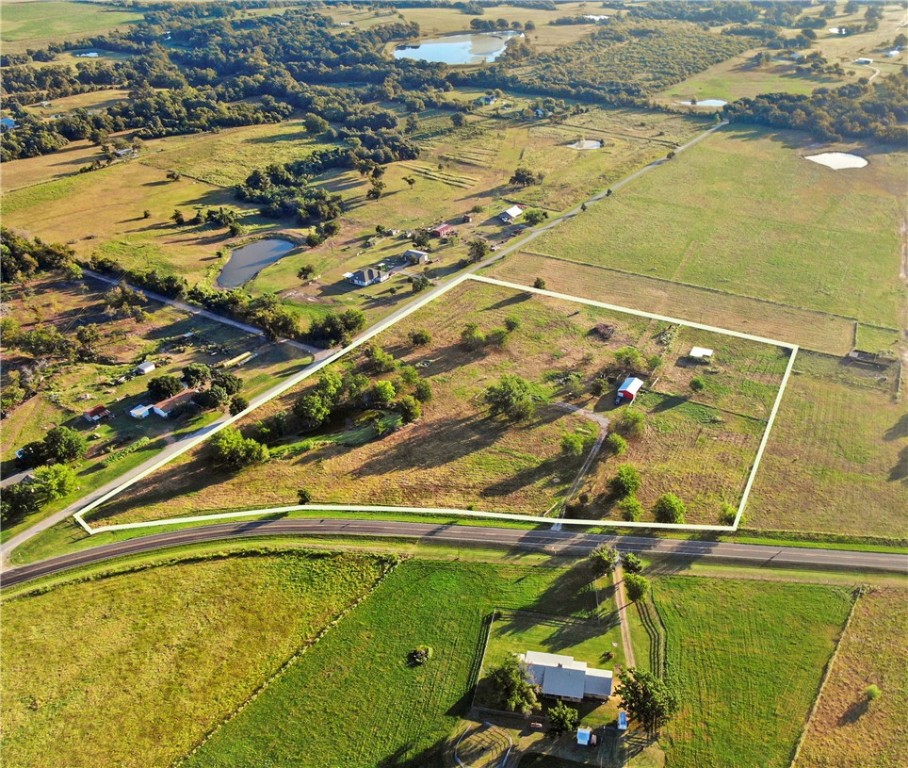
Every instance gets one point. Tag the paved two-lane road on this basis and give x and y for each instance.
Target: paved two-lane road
(547, 541)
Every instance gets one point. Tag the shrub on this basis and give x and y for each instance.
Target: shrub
(420, 337)
(312, 410)
(616, 445)
(697, 384)
(632, 423)
(497, 337)
(511, 398)
(562, 719)
(630, 359)
(383, 393)
(627, 481)
(636, 585)
(234, 451)
(631, 509)
(304, 495)
(669, 509)
(419, 656)
(380, 361)
(539, 283)
(632, 563)
(728, 514)
(471, 337)
(572, 444)
(422, 391)
(511, 323)
(605, 559)
(872, 692)
(238, 404)
(409, 408)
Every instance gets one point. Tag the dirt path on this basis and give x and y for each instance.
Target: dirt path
(621, 602)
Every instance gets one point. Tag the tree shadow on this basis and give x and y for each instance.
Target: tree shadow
(855, 711)
(898, 430)
(900, 471)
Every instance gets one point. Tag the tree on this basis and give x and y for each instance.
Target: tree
(627, 482)
(419, 283)
(458, 120)
(637, 586)
(178, 218)
(18, 501)
(420, 337)
(238, 404)
(648, 700)
(615, 444)
(305, 272)
(62, 444)
(471, 337)
(196, 374)
(539, 283)
(630, 359)
(213, 397)
(383, 393)
(534, 217)
(512, 687)
(422, 391)
(409, 408)
(235, 451)
(230, 383)
(562, 719)
(479, 249)
(605, 559)
(162, 387)
(312, 410)
(511, 398)
(632, 562)
(304, 496)
(572, 444)
(54, 482)
(669, 509)
(524, 177)
(631, 509)
(315, 124)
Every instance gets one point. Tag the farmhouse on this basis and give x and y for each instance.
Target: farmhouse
(145, 367)
(567, 679)
(416, 257)
(442, 230)
(511, 214)
(700, 354)
(628, 389)
(94, 415)
(171, 404)
(367, 276)
(140, 411)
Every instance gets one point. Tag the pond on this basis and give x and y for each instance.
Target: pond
(469, 48)
(838, 161)
(705, 103)
(246, 262)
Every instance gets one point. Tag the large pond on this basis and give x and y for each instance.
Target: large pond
(705, 103)
(246, 262)
(471, 48)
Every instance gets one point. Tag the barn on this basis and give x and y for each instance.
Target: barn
(628, 389)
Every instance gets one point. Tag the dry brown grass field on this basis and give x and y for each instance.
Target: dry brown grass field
(848, 730)
(456, 456)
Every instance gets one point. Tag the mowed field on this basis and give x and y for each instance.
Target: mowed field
(353, 700)
(847, 730)
(745, 213)
(837, 459)
(747, 658)
(34, 25)
(134, 669)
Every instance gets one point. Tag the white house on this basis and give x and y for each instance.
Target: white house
(145, 367)
(511, 214)
(171, 404)
(565, 678)
(140, 411)
(368, 276)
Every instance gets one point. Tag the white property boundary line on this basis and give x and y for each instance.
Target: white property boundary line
(384, 325)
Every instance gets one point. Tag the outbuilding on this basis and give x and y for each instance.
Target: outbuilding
(414, 256)
(701, 354)
(442, 230)
(94, 415)
(140, 411)
(583, 736)
(511, 214)
(628, 389)
(145, 367)
(863, 60)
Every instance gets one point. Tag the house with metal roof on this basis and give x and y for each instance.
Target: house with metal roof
(511, 214)
(565, 678)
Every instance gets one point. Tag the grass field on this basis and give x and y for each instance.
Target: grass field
(363, 704)
(846, 730)
(34, 25)
(92, 100)
(837, 460)
(134, 669)
(748, 658)
(745, 213)
(455, 456)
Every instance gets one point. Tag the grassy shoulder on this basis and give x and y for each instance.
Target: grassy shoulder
(172, 649)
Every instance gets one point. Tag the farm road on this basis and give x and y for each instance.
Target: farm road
(545, 541)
